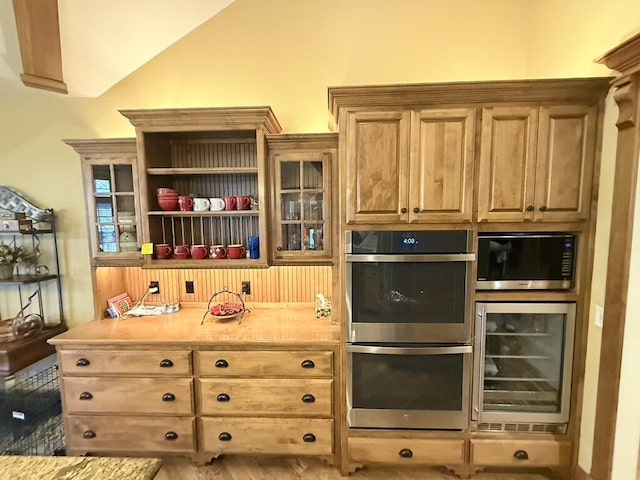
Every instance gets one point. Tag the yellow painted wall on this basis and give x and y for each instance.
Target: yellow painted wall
(285, 53)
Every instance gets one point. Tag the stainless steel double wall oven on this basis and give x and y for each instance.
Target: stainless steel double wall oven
(409, 308)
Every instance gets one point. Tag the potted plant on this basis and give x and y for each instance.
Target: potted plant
(10, 255)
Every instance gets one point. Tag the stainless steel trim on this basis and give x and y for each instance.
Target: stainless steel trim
(410, 258)
(348, 241)
(437, 350)
(522, 284)
(478, 361)
(360, 332)
(526, 235)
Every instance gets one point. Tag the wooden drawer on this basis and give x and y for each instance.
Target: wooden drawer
(172, 396)
(512, 452)
(125, 362)
(255, 396)
(265, 363)
(98, 433)
(295, 436)
(409, 451)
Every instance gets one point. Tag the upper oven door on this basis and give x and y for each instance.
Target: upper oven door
(409, 298)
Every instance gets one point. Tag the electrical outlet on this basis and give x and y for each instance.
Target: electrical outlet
(246, 287)
(599, 316)
(155, 285)
(188, 285)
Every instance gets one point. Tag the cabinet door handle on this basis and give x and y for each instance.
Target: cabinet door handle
(416, 210)
(308, 438)
(543, 208)
(171, 436)
(168, 397)
(222, 363)
(83, 362)
(166, 363)
(308, 398)
(223, 397)
(403, 210)
(89, 434)
(405, 453)
(530, 208)
(308, 364)
(521, 455)
(279, 248)
(225, 437)
(86, 396)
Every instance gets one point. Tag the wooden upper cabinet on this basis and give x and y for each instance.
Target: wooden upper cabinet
(566, 153)
(441, 170)
(507, 169)
(536, 163)
(377, 153)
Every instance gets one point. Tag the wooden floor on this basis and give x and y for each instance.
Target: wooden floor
(243, 467)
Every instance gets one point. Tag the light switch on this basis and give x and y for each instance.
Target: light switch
(599, 316)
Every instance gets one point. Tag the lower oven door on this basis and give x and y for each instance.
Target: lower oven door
(425, 387)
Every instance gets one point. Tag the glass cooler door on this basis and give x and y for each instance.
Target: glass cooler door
(523, 362)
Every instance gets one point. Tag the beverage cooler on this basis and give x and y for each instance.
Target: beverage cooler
(523, 361)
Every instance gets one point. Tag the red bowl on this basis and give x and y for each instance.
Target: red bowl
(166, 191)
(168, 205)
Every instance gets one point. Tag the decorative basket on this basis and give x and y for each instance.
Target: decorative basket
(6, 271)
(226, 305)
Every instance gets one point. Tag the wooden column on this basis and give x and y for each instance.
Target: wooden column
(39, 38)
(625, 58)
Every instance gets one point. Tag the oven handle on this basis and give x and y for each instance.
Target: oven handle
(451, 257)
(409, 350)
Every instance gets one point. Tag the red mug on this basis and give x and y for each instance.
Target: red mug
(182, 252)
(186, 203)
(243, 202)
(163, 250)
(199, 252)
(236, 252)
(217, 251)
(230, 203)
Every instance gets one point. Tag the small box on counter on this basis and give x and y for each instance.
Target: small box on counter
(22, 225)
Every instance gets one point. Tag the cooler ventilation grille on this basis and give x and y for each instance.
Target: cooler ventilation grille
(523, 427)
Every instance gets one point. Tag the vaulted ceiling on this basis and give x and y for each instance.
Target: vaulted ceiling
(104, 41)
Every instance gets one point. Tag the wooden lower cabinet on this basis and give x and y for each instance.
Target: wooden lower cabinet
(288, 436)
(149, 434)
(407, 451)
(520, 453)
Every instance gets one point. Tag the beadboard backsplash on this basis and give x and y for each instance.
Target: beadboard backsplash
(275, 284)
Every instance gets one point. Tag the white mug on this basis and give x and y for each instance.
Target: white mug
(200, 204)
(217, 204)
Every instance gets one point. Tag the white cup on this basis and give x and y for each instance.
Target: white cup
(200, 204)
(216, 204)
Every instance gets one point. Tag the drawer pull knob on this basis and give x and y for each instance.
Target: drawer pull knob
(308, 364)
(166, 363)
(89, 434)
(308, 398)
(403, 210)
(224, 437)
(405, 453)
(86, 396)
(521, 455)
(309, 438)
(83, 362)
(416, 210)
(530, 208)
(222, 363)
(543, 208)
(168, 397)
(223, 397)
(171, 436)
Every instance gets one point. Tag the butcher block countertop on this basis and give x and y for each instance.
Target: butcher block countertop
(270, 325)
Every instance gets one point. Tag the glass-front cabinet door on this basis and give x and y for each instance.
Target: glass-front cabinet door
(523, 362)
(301, 173)
(112, 206)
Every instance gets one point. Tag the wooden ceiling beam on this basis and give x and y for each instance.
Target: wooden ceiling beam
(39, 37)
